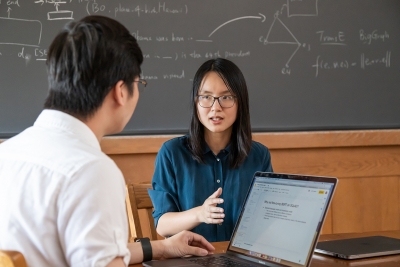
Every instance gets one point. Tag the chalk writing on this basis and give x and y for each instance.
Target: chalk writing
(96, 8)
(237, 54)
(175, 76)
(331, 65)
(12, 2)
(40, 52)
(140, 37)
(278, 32)
(325, 39)
(368, 62)
(367, 38)
(27, 57)
(212, 54)
(194, 55)
(149, 77)
(364, 63)
(145, 9)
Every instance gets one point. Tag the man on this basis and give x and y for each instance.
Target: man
(62, 201)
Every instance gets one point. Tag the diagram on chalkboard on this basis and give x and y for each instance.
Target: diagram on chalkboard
(279, 33)
(302, 8)
(262, 17)
(285, 36)
(58, 14)
(29, 31)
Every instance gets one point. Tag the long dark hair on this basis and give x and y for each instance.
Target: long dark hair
(241, 139)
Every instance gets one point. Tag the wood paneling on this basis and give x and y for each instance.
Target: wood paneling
(340, 162)
(289, 140)
(136, 168)
(367, 164)
(329, 139)
(366, 204)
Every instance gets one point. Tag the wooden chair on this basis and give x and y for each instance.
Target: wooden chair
(10, 258)
(138, 198)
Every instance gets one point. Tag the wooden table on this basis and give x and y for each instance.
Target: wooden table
(320, 260)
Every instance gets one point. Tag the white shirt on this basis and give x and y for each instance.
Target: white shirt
(62, 200)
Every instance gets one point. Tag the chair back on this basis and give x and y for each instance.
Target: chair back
(138, 198)
(10, 258)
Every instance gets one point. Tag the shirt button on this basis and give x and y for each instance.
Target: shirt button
(217, 159)
(218, 181)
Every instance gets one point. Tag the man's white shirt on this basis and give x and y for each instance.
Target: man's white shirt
(62, 200)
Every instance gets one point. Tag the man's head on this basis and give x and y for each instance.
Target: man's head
(86, 60)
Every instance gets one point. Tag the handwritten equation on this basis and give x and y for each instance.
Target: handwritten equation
(306, 49)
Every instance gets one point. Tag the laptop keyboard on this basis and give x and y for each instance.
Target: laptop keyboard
(219, 261)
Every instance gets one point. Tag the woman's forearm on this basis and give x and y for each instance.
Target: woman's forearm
(172, 223)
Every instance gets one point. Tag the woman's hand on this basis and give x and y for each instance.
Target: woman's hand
(209, 212)
(171, 223)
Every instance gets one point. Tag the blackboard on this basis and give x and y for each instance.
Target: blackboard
(309, 64)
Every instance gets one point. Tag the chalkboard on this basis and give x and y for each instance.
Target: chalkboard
(309, 64)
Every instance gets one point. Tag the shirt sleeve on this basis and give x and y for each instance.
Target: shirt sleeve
(92, 220)
(262, 152)
(164, 193)
(268, 164)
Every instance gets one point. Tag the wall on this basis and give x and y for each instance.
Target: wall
(367, 164)
(309, 65)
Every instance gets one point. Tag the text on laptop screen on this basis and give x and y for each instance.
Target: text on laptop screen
(281, 219)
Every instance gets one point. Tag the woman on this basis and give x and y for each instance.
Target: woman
(201, 180)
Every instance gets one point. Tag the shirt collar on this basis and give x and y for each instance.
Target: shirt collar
(55, 120)
(207, 148)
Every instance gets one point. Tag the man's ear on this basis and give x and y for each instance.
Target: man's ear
(119, 93)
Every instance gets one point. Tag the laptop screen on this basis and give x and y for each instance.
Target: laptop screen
(282, 217)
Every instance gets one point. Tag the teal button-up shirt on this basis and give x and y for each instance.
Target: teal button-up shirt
(181, 183)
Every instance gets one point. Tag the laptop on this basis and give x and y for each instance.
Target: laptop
(358, 248)
(279, 224)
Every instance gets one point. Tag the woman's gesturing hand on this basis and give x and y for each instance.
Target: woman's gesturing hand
(209, 212)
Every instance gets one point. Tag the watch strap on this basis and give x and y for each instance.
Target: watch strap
(146, 247)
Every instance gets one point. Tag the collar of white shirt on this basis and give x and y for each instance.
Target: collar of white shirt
(55, 120)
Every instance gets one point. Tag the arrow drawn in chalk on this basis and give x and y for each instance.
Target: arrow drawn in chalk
(262, 17)
(284, 5)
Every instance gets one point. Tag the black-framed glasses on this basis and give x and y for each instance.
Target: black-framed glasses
(142, 81)
(207, 101)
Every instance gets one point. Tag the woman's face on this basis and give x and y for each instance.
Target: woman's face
(216, 119)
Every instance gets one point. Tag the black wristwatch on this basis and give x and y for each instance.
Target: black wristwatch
(146, 247)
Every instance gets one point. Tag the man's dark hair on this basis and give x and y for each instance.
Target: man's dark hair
(241, 139)
(85, 60)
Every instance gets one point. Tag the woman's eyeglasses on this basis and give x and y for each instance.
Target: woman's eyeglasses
(207, 101)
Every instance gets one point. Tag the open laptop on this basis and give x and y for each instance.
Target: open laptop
(358, 248)
(279, 224)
